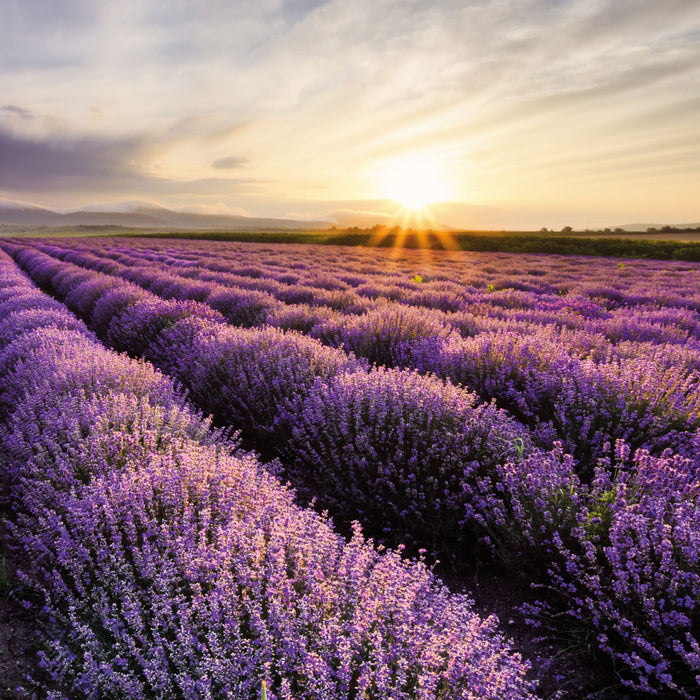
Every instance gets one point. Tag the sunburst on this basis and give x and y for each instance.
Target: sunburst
(414, 181)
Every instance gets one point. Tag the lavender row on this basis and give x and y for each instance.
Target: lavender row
(167, 564)
(585, 396)
(622, 554)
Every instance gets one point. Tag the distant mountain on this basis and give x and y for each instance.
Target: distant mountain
(142, 215)
(24, 214)
(138, 214)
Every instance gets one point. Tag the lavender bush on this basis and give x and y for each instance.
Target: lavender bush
(385, 335)
(20, 322)
(114, 302)
(248, 376)
(583, 403)
(140, 324)
(418, 446)
(245, 308)
(628, 571)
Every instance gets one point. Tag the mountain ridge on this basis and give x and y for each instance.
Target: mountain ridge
(143, 216)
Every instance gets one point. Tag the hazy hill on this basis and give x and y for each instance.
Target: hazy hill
(142, 216)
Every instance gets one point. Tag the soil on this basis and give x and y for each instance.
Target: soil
(563, 668)
(20, 640)
(19, 645)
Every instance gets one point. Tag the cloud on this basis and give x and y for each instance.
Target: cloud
(93, 164)
(46, 35)
(230, 163)
(19, 111)
(218, 208)
(34, 164)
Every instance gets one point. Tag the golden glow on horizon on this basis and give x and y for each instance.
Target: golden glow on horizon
(414, 181)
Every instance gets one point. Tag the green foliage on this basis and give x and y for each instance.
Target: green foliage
(519, 447)
(514, 447)
(600, 515)
(500, 241)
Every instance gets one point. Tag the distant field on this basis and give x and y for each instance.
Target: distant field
(657, 245)
(644, 236)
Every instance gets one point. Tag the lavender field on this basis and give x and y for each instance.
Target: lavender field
(230, 464)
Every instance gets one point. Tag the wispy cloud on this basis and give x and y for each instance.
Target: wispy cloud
(230, 163)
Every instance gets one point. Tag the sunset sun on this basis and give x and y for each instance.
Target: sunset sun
(413, 181)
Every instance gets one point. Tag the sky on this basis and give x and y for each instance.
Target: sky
(494, 113)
